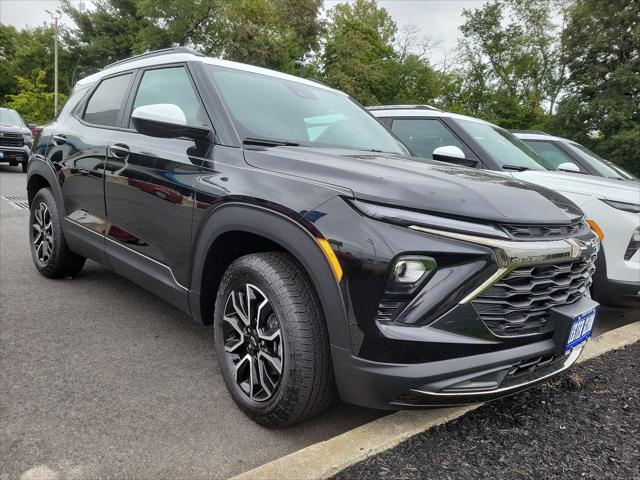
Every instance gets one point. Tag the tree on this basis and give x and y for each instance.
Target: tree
(512, 68)
(35, 100)
(602, 110)
(358, 50)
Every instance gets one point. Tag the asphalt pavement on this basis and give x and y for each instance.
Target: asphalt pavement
(101, 379)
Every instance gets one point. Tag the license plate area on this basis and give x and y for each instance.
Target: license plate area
(581, 329)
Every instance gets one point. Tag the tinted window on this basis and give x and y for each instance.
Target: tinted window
(104, 105)
(424, 136)
(72, 102)
(504, 148)
(550, 153)
(170, 85)
(274, 108)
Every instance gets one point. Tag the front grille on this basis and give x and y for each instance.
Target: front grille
(519, 303)
(11, 140)
(546, 232)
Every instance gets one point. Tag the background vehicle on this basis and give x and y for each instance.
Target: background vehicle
(282, 212)
(570, 156)
(612, 206)
(15, 139)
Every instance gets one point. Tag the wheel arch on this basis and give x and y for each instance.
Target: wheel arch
(247, 228)
(41, 175)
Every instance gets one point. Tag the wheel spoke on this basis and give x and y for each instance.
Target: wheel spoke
(237, 307)
(274, 361)
(229, 346)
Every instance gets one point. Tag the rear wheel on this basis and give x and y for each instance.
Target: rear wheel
(51, 255)
(271, 340)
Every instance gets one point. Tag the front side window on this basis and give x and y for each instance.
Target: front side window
(171, 85)
(272, 108)
(503, 147)
(104, 105)
(423, 136)
(551, 153)
(598, 164)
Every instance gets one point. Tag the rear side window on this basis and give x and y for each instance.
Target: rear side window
(171, 85)
(424, 136)
(104, 105)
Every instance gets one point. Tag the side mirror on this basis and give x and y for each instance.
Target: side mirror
(166, 120)
(31, 126)
(568, 167)
(452, 154)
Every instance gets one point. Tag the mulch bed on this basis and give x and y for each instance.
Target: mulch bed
(585, 424)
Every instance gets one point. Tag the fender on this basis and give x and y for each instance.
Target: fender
(291, 236)
(45, 170)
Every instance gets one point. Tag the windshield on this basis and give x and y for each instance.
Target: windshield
(270, 108)
(503, 147)
(600, 165)
(10, 118)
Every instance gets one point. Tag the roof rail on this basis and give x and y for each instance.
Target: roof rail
(156, 53)
(398, 107)
(536, 132)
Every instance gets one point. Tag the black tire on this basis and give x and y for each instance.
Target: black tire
(51, 255)
(25, 165)
(306, 385)
(13, 163)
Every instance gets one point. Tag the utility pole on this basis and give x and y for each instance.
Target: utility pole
(55, 17)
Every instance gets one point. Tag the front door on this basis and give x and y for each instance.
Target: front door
(149, 188)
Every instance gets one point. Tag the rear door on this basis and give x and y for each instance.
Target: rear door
(150, 182)
(78, 149)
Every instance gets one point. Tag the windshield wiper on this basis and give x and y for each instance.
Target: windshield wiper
(265, 142)
(517, 168)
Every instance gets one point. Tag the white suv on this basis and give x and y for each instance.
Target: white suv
(612, 207)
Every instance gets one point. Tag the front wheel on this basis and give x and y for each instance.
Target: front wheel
(271, 340)
(25, 166)
(51, 255)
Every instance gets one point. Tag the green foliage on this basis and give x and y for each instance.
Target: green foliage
(35, 102)
(602, 110)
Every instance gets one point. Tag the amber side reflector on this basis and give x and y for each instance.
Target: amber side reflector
(331, 255)
(596, 228)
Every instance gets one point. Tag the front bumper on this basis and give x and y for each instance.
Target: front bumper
(15, 154)
(461, 380)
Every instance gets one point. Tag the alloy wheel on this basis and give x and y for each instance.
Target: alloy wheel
(42, 229)
(253, 342)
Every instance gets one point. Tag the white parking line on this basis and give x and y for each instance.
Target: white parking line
(324, 459)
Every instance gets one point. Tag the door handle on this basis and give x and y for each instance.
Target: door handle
(119, 151)
(59, 139)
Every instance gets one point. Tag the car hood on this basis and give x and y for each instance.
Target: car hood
(15, 129)
(593, 186)
(424, 185)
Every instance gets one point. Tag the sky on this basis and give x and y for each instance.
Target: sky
(438, 19)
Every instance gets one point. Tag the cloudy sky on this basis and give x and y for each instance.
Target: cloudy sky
(438, 19)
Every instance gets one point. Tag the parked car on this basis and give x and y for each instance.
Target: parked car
(612, 206)
(569, 156)
(15, 139)
(325, 256)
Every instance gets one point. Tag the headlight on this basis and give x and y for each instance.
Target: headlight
(627, 207)
(408, 218)
(27, 138)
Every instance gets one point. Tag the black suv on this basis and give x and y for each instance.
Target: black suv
(326, 258)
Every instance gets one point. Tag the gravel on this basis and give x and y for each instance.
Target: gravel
(584, 424)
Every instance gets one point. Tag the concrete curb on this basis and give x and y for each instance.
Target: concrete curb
(324, 459)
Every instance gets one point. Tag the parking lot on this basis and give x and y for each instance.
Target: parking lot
(101, 379)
